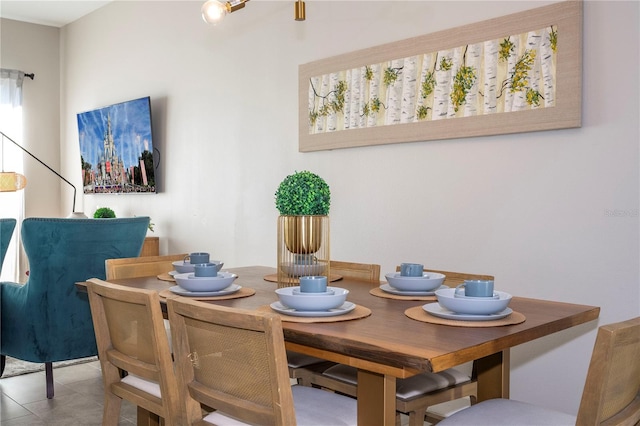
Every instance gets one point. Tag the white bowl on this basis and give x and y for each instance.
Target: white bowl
(183, 268)
(472, 305)
(300, 269)
(310, 302)
(427, 282)
(297, 292)
(202, 284)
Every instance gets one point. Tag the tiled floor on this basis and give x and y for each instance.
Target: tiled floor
(78, 399)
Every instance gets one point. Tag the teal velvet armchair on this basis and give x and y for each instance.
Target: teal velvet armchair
(47, 319)
(6, 232)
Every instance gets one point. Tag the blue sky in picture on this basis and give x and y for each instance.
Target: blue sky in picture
(130, 127)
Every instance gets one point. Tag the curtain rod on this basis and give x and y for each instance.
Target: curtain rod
(29, 75)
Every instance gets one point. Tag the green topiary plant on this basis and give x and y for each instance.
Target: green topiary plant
(303, 193)
(104, 213)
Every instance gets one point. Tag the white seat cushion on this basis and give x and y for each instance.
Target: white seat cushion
(145, 385)
(406, 389)
(322, 408)
(507, 412)
(298, 360)
(314, 407)
(219, 419)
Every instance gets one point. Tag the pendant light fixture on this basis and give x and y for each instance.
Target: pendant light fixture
(299, 12)
(214, 11)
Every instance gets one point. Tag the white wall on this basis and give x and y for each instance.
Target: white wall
(35, 49)
(532, 209)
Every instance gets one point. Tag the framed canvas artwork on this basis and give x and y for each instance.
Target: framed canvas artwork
(516, 73)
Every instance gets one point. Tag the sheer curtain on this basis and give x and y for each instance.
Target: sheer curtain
(11, 203)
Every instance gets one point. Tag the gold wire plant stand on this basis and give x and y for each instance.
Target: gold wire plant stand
(303, 248)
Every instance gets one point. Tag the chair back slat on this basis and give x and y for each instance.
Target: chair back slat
(358, 271)
(231, 360)
(135, 267)
(612, 390)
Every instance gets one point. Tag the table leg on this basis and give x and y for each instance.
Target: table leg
(147, 418)
(493, 375)
(376, 399)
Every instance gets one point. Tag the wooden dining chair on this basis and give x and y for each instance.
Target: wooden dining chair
(302, 367)
(234, 361)
(357, 271)
(143, 266)
(611, 395)
(131, 338)
(135, 267)
(414, 395)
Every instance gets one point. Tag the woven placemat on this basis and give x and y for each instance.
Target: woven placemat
(296, 281)
(357, 313)
(166, 277)
(243, 292)
(419, 314)
(378, 292)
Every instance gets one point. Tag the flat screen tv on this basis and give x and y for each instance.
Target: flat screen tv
(116, 148)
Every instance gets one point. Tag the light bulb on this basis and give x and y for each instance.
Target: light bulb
(213, 11)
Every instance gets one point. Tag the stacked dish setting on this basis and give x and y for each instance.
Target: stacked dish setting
(490, 305)
(425, 284)
(302, 269)
(293, 298)
(184, 266)
(190, 282)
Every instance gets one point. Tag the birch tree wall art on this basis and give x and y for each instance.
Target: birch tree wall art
(516, 73)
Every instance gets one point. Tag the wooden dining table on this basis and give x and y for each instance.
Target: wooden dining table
(387, 344)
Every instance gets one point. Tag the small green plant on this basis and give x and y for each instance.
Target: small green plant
(507, 47)
(303, 193)
(462, 83)
(553, 38)
(104, 213)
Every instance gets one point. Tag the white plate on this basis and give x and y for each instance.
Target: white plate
(438, 311)
(201, 284)
(173, 273)
(387, 288)
(345, 308)
(182, 292)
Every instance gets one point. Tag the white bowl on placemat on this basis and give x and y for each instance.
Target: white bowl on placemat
(182, 267)
(302, 269)
(311, 302)
(427, 282)
(472, 305)
(201, 284)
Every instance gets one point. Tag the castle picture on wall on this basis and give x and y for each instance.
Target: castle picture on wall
(116, 148)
